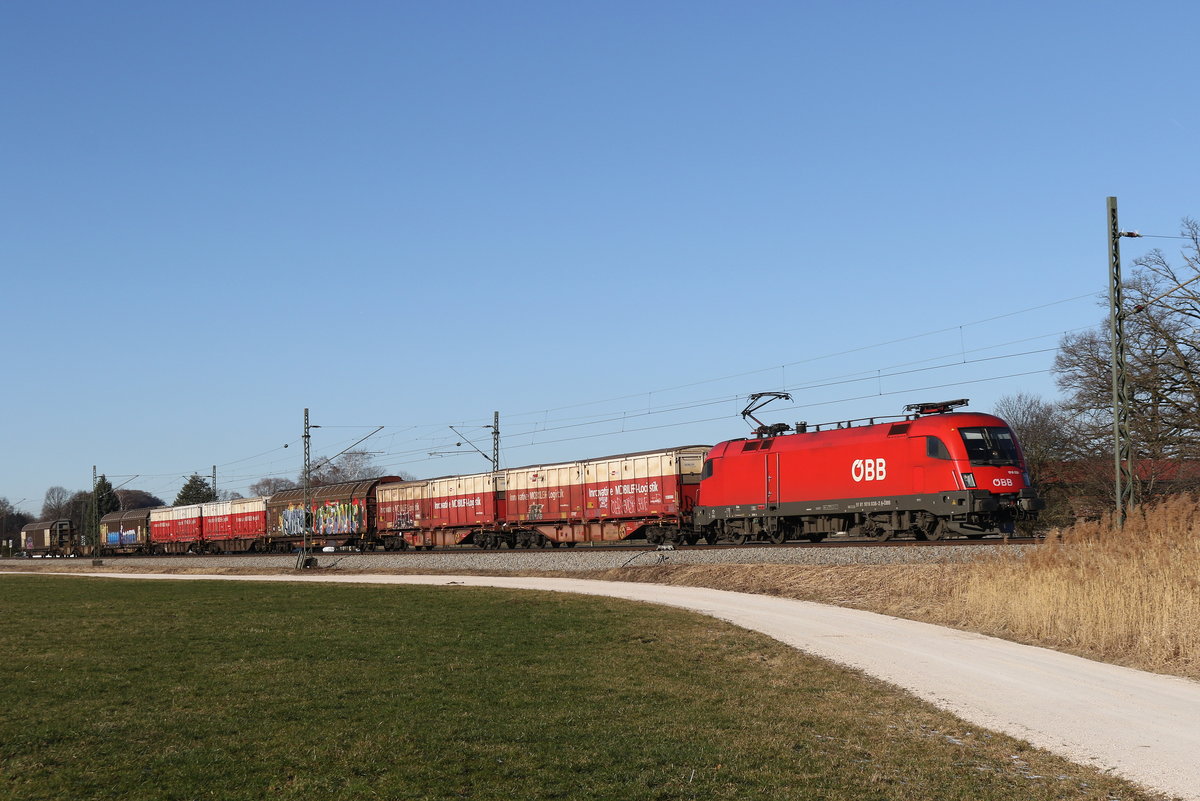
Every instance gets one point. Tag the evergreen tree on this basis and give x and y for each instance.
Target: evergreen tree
(106, 498)
(196, 490)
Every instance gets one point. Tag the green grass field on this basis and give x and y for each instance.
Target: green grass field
(227, 690)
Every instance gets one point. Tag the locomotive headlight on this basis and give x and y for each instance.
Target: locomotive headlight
(969, 480)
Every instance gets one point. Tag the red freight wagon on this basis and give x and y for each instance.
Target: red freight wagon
(248, 522)
(458, 507)
(176, 529)
(646, 494)
(218, 522)
(401, 509)
(941, 474)
(234, 526)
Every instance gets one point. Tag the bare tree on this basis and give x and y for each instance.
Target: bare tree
(270, 486)
(1044, 431)
(78, 510)
(1162, 336)
(54, 506)
(1040, 426)
(350, 466)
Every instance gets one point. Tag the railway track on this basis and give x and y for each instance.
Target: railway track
(619, 547)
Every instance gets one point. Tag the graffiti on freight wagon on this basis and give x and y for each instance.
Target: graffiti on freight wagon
(291, 521)
(344, 517)
(331, 518)
(121, 537)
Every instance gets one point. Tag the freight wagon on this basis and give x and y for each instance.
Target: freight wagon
(340, 515)
(52, 538)
(176, 529)
(648, 494)
(450, 510)
(125, 532)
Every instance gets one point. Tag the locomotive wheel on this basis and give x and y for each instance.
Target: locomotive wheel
(930, 531)
(738, 539)
(778, 537)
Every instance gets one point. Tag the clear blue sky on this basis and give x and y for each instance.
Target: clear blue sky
(619, 217)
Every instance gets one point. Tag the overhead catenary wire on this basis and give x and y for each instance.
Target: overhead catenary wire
(624, 416)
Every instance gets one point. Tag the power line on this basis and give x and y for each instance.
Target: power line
(1093, 294)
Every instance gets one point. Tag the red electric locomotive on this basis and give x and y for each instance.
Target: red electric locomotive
(935, 473)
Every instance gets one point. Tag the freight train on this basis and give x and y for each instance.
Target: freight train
(933, 473)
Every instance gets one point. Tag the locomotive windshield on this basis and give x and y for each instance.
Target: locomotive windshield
(992, 446)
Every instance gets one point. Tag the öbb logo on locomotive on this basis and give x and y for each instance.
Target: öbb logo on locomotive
(869, 469)
(932, 472)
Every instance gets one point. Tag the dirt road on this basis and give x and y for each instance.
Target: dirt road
(1142, 726)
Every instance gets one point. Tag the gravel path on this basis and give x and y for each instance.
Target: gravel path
(1142, 726)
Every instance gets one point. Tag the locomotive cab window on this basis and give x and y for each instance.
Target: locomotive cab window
(708, 469)
(990, 446)
(936, 449)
